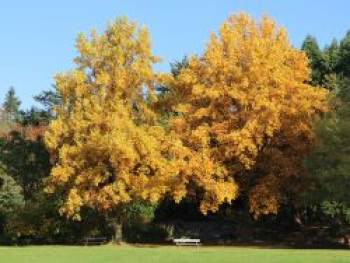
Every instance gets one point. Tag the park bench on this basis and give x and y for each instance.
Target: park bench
(95, 241)
(187, 242)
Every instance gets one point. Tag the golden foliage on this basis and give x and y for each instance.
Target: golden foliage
(242, 122)
(245, 98)
(106, 138)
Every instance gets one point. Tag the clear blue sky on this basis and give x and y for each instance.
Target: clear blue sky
(38, 36)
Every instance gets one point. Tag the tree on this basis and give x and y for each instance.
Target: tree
(41, 116)
(25, 158)
(11, 197)
(245, 117)
(344, 56)
(11, 106)
(317, 59)
(105, 141)
(35, 117)
(332, 56)
(49, 99)
(329, 164)
(10, 194)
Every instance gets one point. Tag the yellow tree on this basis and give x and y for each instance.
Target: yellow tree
(105, 141)
(245, 115)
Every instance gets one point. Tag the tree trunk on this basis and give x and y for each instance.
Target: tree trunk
(115, 223)
(297, 218)
(118, 232)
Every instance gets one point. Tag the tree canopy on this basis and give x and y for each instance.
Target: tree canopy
(245, 108)
(106, 139)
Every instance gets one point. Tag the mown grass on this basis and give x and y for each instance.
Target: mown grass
(131, 254)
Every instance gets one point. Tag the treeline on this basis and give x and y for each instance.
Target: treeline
(328, 164)
(251, 133)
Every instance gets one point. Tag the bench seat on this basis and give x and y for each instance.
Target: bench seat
(187, 242)
(95, 241)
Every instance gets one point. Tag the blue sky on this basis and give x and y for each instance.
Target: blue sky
(38, 36)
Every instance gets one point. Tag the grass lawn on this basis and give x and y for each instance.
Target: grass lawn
(130, 254)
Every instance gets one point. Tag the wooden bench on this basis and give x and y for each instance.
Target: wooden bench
(187, 242)
(95, 241)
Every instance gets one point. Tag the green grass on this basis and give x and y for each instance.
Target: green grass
(129, 254)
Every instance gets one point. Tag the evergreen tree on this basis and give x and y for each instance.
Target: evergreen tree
(343, 66)
(49, 100)
(329, 165)
(332, 56)
(11, 106)
(11, 195)
(317, 59)
(26, 160)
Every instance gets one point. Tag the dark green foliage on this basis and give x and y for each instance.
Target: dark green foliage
(39, 221)
(41, 116)
(11, 106)
(343, 65)
(34, 117)
(26, 161)
(49, 100)
(11, 196)
(331, 64)
(330, 163)
(317, 59)
(134, 213)
(9, 112)
(336, 209)
(331, 54)
(138, 212)
(138, 226)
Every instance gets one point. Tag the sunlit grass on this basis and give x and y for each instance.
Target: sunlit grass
(158, 254)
